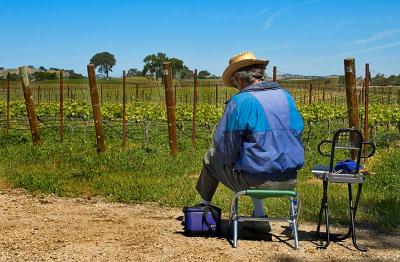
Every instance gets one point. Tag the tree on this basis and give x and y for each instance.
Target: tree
(204, 74)
(104, 61)
(153, 64)
(73, 75)
(39, 76)
(177, 67)
(134, 72)
(214, 77)
(42, 68)
(1, 68)
(186, 73)
(14, 77)
(31, 67)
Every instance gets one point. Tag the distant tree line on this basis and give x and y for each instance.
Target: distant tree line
(45, 74)
(105, 61)
(381, 80)
(153, 66)
(378, 80)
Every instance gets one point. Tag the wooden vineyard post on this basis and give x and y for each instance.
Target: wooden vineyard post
(68, 93)
(274, 74)
(175, 93)
(170, 103)
(351, 96)
(310, 94)
(366, 94)
(123, 109)
(216, 95)
(398, 96)
(30, 106)
(137, 92)
(362, 92)
(94, 94)
(101, 93)
(195, 97)
(8, 101)
(62, 105)
(38, 94)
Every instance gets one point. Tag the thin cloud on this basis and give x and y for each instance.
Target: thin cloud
(361, 51)
(336, 27)
(377, 36)
(271, 18)
(261, 12)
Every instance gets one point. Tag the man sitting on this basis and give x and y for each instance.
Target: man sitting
(258, 140)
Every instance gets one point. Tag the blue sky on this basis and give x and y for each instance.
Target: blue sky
(310, 37)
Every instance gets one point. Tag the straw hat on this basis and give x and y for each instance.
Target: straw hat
(239, 61)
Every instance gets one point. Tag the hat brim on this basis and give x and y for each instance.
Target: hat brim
(232, 68)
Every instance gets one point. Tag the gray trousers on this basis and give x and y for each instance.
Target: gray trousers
(214, 172)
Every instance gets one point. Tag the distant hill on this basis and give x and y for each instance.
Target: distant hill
(303, 77)
(4, 72)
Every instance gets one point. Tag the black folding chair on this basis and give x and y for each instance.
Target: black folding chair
(349, 139)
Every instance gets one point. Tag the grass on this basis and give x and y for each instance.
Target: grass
(142, 173)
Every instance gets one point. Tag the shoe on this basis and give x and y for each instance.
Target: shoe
(258, 226)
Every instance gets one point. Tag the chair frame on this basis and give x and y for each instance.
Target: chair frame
(234, 217)
(331, 176)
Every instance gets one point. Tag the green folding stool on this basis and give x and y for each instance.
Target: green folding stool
(234, 217)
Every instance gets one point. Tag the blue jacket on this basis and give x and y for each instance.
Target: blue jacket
(260, 131)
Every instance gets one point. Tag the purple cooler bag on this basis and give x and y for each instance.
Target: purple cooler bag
(204, 220)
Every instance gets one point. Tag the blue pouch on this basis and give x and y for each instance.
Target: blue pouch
(202, 220)
(348, 166)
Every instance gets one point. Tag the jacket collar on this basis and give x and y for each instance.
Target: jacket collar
(260, 86)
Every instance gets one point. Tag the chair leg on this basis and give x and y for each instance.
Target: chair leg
(352, 211)
(235, 222)
(324, 207)
(321, 210)
(350, 230)
(293, 218)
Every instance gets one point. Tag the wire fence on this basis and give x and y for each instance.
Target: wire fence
(211, 92)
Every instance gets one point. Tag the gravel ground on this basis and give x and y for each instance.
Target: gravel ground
(49, 228)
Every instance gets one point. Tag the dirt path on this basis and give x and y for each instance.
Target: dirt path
(48, 228)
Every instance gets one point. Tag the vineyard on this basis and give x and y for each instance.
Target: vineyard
(320, 103)
(144, 169)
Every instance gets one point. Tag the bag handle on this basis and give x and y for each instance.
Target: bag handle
(214, 212)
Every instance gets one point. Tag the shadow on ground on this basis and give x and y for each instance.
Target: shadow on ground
(365, 235)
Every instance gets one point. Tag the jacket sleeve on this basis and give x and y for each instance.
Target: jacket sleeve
(228, 136)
